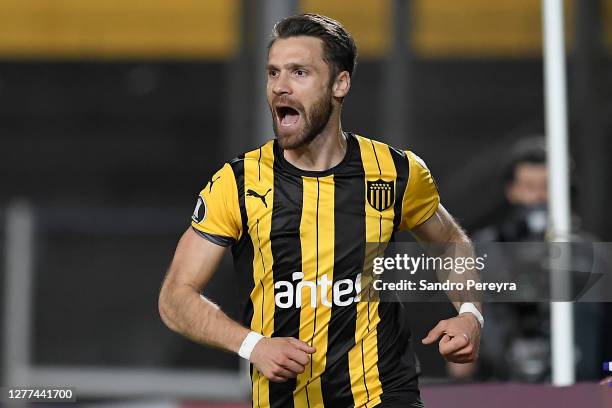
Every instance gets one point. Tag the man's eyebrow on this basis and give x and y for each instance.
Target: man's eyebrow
(293, 65)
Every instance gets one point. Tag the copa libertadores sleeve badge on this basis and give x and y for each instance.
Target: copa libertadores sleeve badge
(199, 213)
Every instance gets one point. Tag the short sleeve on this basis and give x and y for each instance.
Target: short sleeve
(421, 198)
(216, 216)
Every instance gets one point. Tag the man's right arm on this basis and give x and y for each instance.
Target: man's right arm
(184, 310)
(181, 306)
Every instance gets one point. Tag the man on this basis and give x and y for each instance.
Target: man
(517, 345)
(525, 179)
(297, 212)
(526, 192)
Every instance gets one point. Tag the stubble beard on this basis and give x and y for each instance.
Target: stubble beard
(315, 121)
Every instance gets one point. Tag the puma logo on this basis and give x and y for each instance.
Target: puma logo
(211, 184)
(252, 193)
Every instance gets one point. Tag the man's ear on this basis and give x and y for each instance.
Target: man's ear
(342, 84)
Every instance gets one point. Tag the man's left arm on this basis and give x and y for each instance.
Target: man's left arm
(459, 336)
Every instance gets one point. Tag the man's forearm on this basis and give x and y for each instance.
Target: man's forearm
(460, 246)
(188, 313)
(465, 251)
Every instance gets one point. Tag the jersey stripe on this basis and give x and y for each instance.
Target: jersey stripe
(377, 164)
(400, 159)
(348, 262)
(286, 248)
(259, 179)
(393, 333)
(244, 245)
(317, 241)
(244, 265)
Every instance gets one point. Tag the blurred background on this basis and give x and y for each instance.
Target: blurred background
(114, 114)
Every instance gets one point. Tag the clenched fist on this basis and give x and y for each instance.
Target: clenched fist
(281, 358)
(460, 338)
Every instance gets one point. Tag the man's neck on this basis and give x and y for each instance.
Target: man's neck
(324, 152)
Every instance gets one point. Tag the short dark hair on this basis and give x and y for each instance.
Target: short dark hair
(339, 49)
(529, 150)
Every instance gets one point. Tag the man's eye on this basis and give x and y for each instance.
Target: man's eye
(273, 74)
(300, 72)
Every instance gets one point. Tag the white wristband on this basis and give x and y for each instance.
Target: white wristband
(470, 308)
(248, 344)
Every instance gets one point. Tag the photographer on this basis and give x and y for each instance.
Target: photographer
(516, 345)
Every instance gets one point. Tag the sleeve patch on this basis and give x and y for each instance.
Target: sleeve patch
(199, 213)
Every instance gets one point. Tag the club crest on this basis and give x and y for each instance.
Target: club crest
(381, 194)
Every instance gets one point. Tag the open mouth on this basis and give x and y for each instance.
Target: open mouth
(287, 115)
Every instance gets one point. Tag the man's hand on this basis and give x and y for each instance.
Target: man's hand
(281, 358)
(460, 338)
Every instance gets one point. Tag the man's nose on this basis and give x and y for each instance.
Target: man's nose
(281, 85)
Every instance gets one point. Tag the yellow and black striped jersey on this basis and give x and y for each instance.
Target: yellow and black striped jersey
(299, 244)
